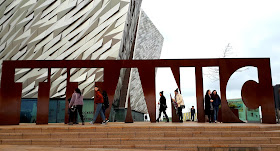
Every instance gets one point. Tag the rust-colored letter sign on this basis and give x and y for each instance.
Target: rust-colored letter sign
(10, 99)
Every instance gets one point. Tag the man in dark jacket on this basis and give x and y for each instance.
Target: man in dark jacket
(192, 113)
(162, 107)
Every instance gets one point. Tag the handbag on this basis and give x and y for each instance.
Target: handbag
(73, 108)
(164, 106)
(182, 106)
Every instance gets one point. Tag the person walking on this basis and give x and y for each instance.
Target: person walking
(216, 103)
(77, 102)
(180, 102)
(98, 100)
(105, 104)
(192, 113)
(162, 107)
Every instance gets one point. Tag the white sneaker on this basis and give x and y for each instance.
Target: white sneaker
(91, 123)
(103, 123)
(106, 121)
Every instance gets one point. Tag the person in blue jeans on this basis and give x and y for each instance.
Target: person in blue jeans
(98, 100)
(216, 103)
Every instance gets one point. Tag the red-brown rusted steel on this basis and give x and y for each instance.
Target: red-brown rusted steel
(111, 77)
(11, 91)
(199, 94)
(264, 87)
(176, 74)
(10, 100)
(248, 92)
(43, 101)
(225, 71)
(147, 78)
(263, 90)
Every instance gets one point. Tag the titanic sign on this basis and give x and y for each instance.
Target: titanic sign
(10, 99)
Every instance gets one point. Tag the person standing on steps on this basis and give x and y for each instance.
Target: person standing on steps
(192, 113)
(216, 103)
(105, 104)
(77, 102)
(162, 107)
(209, 108)
(98, 100)
(211, 116)
(179, 100)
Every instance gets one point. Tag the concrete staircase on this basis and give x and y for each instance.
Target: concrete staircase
(142, 136)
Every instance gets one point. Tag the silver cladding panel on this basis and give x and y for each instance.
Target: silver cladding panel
(148, 46)
(64, 30)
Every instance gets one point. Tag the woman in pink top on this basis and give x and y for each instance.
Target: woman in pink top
(77, 100)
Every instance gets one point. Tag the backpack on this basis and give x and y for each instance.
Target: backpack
(106, 100)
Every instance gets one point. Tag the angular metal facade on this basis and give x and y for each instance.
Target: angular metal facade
(75, 30)
(148, 46)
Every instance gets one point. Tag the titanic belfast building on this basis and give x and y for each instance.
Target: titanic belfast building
(77, 30)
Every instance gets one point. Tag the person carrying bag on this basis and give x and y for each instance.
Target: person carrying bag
(76, 105)
(179, 100)
(163, 107)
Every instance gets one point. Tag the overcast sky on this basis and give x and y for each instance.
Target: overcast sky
(202, 29)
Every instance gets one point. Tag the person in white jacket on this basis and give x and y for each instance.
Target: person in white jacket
(179, 100)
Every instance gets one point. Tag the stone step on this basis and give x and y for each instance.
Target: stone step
(143, 136)
(117, 129)
(151, 127)
(69, 148)
(166, 134)
(137, 141)
(188, 147)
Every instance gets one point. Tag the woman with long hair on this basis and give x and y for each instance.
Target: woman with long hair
(77, 102)
(209, 109)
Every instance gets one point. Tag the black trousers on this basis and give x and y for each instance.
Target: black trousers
(164, 112)
(79, 109)
(211, 116)
(192, 117)
(70, 119)
(180, 114)
(72, 116)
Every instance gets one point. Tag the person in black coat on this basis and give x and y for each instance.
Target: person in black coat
(216, 103)
(162, 107)
(207, 99)
(209, 109)
(192, 113)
